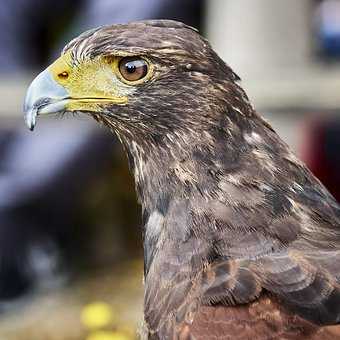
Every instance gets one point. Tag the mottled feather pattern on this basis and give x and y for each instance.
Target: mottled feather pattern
(241, 241)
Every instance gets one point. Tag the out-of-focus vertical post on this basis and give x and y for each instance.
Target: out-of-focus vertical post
(256, 36)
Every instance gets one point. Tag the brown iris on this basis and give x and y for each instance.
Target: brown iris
(133, 68)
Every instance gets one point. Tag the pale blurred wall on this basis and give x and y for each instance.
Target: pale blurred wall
(260, 36)
(270, 45)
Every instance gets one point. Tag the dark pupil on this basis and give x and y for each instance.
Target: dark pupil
(130, 68)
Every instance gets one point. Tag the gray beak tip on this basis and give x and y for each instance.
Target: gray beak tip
(44, 96)
(30, 118)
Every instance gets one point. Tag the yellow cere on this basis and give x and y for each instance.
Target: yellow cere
(97, 315)
(89, 84)
(106, 335)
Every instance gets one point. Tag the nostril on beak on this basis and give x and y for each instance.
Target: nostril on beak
(44, 96)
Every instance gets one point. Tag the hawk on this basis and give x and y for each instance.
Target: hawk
(241, 241)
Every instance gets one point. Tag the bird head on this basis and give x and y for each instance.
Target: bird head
(142, 78)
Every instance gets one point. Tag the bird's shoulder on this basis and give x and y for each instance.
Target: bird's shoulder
(273, 226)
(260, 222)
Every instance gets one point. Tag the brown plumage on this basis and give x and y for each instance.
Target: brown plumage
(241, 241)
(265, 318)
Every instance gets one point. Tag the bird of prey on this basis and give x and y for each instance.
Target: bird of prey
(241, 241)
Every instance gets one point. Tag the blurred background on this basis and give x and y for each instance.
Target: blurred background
(70, 242)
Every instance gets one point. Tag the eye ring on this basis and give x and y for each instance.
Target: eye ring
(63, 75)
(133, 69)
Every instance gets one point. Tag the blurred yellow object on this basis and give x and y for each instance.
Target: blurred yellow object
(106, 335)
(97, 315)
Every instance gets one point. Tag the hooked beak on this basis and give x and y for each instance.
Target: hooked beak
(44, 96)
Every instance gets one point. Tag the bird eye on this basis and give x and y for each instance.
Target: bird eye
(133, 69)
